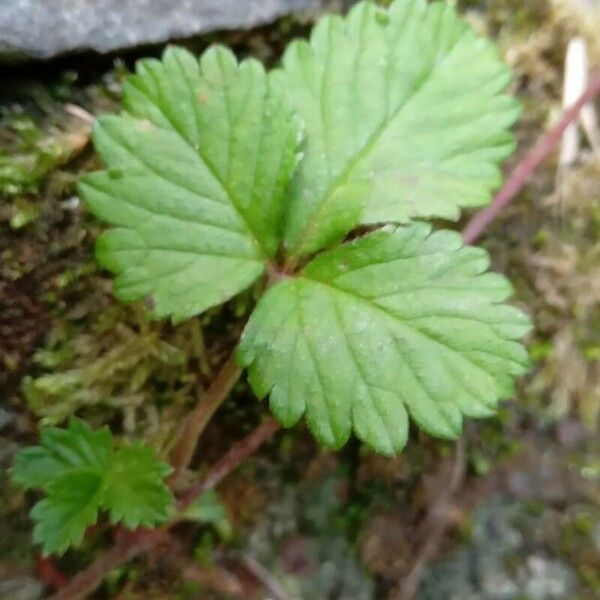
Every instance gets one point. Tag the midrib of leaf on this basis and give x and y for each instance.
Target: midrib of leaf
(401, 322)
(178, 184)
(325, 80)
(342, 179)
(359, 369)
(211, 167)
(311, 351)
(397, 321)
(229, 117)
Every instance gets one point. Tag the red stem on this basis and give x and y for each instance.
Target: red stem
(525, 169)
(237, 454)
(48, 573)
(130, 545)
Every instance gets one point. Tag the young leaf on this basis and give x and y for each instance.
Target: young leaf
(143, 499)
(81, 474)
(197, 169)
(62, 452)
(404, 116)
(209, 510)
(71, 506)
(399, 321)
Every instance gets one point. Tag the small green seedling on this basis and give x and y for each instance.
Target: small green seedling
(81, 474)
(317, 177)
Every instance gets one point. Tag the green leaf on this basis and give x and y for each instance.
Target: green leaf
(144, 499)
(399, 321)
(404, 117)
(62, 451)
(71, 506)
(81, 474)
(209, 510)
(197, 170)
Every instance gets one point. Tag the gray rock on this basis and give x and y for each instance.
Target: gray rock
(502, 537)
(545, 579)
(37, 29)
(21, 588)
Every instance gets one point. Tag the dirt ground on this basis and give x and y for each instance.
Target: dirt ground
(511, 513)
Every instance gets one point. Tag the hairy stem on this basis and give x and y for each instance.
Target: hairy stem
(197, 420)
(132, 544)
(525, 169)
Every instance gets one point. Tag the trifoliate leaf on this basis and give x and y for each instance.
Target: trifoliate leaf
(399, 321)
(81, 474)
(197, 170)
(404, 117)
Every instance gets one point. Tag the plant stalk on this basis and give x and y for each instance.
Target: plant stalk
(525, 168)
(245, 447)
(436, 523)
(206, 407)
